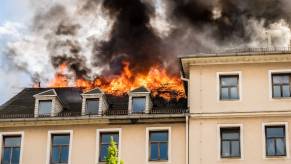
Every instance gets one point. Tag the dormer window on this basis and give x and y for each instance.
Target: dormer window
(47, 103)
(45, 107)
(92, 106)
(139, 101)
(138, 104)
(94, 102)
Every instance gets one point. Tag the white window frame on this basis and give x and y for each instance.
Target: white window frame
(3, 134)
(49, 142)
(240, 126)
(264, 140)
(98, 132)
(218, 74)
(270, 73)
(150, 129)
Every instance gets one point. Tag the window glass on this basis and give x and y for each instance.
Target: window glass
(286, 90)
(105, 142)
(275, 141)
(92, 106)
(11, 149)
(138, 104)
(229, 87)
(230, 142)
(60, 148)
(158, 145)
(44, 107)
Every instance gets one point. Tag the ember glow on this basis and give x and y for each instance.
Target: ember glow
(156, 79)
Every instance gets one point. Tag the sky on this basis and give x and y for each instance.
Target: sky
(14, 14)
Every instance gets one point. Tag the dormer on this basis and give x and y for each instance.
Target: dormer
(94, 102)
(139, 101)
(47, 103)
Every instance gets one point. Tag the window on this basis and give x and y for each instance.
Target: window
(281, 85)
(229, 87)
(60, 148)
(105, 142)
(92, 106)
(138, 104)
(44, 107)
(230, 142)
(11, 149)
(158, 145)
(275, 141)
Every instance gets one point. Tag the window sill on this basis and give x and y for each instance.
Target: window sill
(230, 158)
(276, 157)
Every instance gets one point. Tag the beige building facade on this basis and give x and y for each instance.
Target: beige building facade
(245, 122)
(238, 110)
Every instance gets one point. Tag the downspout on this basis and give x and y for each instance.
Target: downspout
(187, 156)
(187, 140)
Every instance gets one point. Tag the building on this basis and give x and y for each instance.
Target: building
(239, 113)
(64, 125)
(240, 107)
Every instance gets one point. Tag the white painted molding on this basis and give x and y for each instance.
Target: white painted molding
(49, 142)
(21, 134)
(150, 129)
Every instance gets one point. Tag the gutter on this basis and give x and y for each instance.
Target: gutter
(187, 141)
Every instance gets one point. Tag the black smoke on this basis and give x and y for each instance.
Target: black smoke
(198, 26)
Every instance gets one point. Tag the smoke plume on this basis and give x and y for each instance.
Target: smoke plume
(94, 37)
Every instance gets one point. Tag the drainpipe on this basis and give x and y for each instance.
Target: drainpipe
(187, 160)
(187, 140)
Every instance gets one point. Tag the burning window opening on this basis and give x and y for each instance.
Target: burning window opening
(156, 79)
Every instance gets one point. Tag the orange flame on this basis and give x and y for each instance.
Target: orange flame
(156, 79)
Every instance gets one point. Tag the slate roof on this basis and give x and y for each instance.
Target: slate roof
(24, 102)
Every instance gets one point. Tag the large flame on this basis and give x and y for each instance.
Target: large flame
(156, 79)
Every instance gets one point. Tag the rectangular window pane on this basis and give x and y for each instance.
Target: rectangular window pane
(154, 151)
(235, 149)
(6, 155)
(275, 131)
(280, 146)
(276, 91)
(286, 90)
(229, 80)
(225, 149)
(92, 106)
(270, 147)
(234, 93)
(44, 107)
(164, 151)
(103, 152)
(224, 93)
(159, 136)
(281, 79)
(12, 141)
(55, 154)
(64, 153)
(138, 104)
(61, 139)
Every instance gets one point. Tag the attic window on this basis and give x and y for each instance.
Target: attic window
(44, 107)
(138, 104)
(92, 106)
